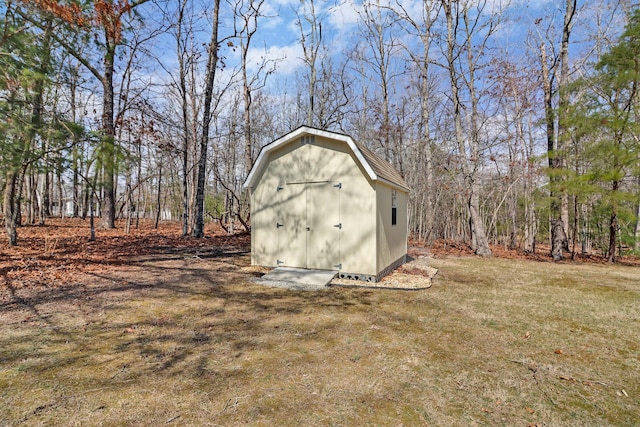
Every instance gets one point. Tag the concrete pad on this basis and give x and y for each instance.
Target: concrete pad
(297, 278)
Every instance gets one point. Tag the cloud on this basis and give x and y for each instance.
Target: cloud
(344, 15)
(287, 59)
(277, 12)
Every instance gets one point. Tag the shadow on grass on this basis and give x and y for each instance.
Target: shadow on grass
(158, 315)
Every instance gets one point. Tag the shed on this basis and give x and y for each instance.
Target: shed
(320, 200)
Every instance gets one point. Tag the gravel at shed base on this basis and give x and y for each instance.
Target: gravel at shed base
(414, 275)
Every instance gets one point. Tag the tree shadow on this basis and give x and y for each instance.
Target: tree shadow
(230, 312)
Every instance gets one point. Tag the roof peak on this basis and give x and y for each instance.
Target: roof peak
(376, 167)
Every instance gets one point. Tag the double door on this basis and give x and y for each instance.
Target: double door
(308, 225)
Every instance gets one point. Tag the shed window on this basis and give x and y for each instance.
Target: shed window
(394, 208)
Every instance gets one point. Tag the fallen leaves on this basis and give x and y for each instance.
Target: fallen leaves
(443, 248)
(52, 254)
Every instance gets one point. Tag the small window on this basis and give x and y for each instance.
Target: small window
(394, 208)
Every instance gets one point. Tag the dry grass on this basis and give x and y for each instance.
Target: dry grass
(185, 340)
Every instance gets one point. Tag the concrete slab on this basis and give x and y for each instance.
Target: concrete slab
(297, 278)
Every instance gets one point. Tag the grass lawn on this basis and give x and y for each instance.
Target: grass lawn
(189, 340)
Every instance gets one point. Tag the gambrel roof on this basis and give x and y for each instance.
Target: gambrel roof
(376, 168)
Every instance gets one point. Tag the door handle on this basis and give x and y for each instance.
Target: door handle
(278, 225)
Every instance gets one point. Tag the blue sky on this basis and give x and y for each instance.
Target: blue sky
(278, 36)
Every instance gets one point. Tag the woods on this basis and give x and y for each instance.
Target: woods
(514, 124)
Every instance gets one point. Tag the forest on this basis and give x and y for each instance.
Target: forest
(515, 123)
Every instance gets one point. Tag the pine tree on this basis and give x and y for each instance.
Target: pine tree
(611, 111)
(25, 59)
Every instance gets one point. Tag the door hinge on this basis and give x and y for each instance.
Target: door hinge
(339, 226)
(278, 225)
(338, 185)
(338, 266)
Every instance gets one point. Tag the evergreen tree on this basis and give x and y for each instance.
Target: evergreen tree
(25, 59)
(610, 110)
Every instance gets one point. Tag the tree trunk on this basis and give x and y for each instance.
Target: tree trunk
(529, 226)
(92, 226)
(75, 161)
(613, 224)
(204, 140)
(182, 52)
(558, 239)
(563, 106)
(513, 235)
(42, 201)
(127, 208)
(478, 235)
(61, 208)
(159, 196)
(248, 140)
(76, 181)
(45, 208)
(10, 209)
(613, 231)
(636, 229)
(109, 145)
(31, 198)
(477, 229)
(556, 147)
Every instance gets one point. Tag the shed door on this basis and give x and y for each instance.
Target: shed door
(323, 222)
(309, 226)
(291, 224)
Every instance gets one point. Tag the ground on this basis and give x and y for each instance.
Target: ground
(151, 328)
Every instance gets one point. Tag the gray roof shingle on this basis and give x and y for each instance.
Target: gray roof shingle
(382, 168)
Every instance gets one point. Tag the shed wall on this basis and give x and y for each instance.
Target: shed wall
(391, 239)
(302, 170)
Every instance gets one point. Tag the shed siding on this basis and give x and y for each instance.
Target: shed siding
(303, 171)
(392, 239)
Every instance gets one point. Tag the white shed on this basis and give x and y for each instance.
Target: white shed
(320, 200)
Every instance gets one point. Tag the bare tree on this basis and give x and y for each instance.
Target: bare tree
(515, 91)
(247, 13)
(380, 47)
(310, 30)
(183, 57)
(212, 63)
(423, 194)
(467, 35)
(555, 79)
